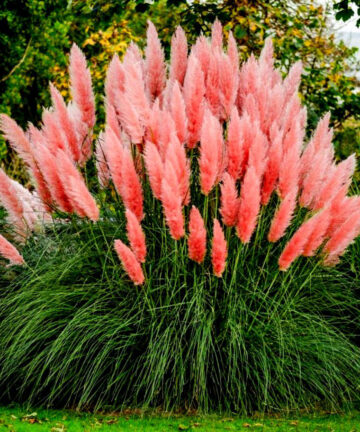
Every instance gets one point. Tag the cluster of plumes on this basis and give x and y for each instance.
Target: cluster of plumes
(53, 154)
(245, 126)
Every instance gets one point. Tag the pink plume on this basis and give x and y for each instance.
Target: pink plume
(8, 251)
(213, 84)
(340, 176)
(136, 236)
(197, 236)
(229, 201)
(154, 63)
(178, 112)
(79, 196)
(129, 118)
(154, 167)
(272, 170)
(258, 151)
(66, 123)
(10, 201)
(53, 132)
(296, 245)
(233, 54)
(135, 90)
(321, 140)
(216, 35)
(176, 155)
(171, 200)
(235, 143)
(219, 250)
(194, 90)
(129, 262)
(249, 206)
(178, 56)
(342, 237)
(211, 150)
(314, 178)
(17, 138)
(202, 51)
(228, 85)
(131, 191)
(53, 176)
(113, 151)
(283, 216)
(318, 233)
(112, 120)
(115, 80)
(81, 87)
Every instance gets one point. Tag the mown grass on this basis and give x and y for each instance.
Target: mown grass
(30, 420)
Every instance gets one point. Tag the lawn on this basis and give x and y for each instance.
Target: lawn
(20, 419)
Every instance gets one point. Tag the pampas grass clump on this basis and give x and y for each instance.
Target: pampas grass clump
(199, 270)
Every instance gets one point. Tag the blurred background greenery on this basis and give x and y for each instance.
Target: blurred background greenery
(36, 36)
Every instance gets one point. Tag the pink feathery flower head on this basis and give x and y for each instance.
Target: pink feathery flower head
(296, 245)
(112, 120)
(289, 172)
(211, 152)
(202, 51)
(321, 139)
(213, 87)
(154, 63)
(66, 123)
(129, 262)
(178, 112)
(129, 118)
(342, 237)
(339, 177)
(81, 198)
(10, 201)
(53, 176)
(292, 81)
(74, 186)
(9, 251)
(102, 167)
(81, 86)
(194, 91)
(17, 138)
(113, 150)
(272, 169)
(314, 178)
(171, 201)
(249, 206)
(135, 90)
(283, 216)
(229, 209)
(219, 250)
(176, 155)
(115, 79)
(216, 35)
(136, 236)
(233, 53)
(131, 190)
(234, 145)
(154, 167)
(229, 81)
(179, 51)
(258, 151)
(197, 236)
(53, 132)
(318, 234)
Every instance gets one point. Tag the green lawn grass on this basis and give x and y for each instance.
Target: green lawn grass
(19, 420)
